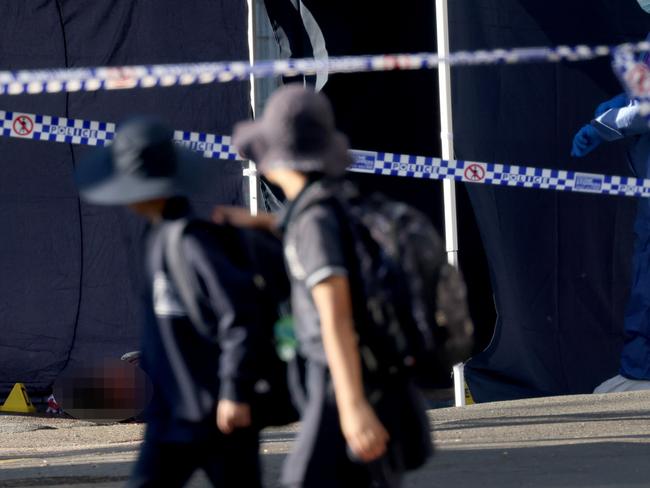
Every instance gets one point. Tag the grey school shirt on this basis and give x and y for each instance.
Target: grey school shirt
(313, 252)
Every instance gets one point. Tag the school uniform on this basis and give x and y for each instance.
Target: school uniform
(315, 251)
(192, 367)
(297, 132)
(192, 363)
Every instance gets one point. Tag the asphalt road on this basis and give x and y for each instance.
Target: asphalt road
(579, 441)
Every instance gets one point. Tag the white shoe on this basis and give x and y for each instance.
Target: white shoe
(132, 357)
(620, 383)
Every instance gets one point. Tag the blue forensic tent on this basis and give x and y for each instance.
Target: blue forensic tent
(68, 290)
(557, 264)
(554, 267)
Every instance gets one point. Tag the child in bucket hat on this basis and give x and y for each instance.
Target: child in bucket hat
(296, 132)
(345, 439)
(203, 366)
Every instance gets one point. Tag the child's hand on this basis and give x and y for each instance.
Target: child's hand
(364, 433)
(232, 415)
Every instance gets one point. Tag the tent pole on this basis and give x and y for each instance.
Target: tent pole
(448, 185)
(251, 171)
(446, 132)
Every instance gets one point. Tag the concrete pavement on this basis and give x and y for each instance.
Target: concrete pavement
(573, 442)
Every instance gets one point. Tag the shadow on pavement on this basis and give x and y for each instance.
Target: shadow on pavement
(591, 465)
(108, 475)
(598, 464)
(541, 419)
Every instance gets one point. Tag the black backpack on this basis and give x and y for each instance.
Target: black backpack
(261, 254)
(415, 318)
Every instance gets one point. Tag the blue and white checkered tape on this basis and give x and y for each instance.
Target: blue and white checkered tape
(93, 133)
(422, 167)
(149, 76)
(55, 129)
(209, 145)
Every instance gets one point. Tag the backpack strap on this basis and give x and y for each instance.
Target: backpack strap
(182, 276)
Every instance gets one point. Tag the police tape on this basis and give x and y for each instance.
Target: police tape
(93, 133)
(163, 75)
(422, 167)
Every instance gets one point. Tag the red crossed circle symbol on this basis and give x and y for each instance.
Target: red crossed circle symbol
(23, 125)
(475, 172)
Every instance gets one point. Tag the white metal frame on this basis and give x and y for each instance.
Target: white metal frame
(447, 131)
(448, 185)
(251, 171)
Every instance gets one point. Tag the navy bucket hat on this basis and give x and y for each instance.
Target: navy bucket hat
(142, 163)
(296, 131)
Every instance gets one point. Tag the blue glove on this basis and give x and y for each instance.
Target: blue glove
(586, 140)
(619, 101)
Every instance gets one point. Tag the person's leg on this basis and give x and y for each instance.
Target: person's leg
(404, 415)
(635, 357)
(163, 465)
(383, 474)
(401, 410)
(319, 456)
(233, 461)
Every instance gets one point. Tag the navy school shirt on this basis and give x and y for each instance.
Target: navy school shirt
(191, 371)
(313, 252)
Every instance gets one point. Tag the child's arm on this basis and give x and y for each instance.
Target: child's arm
(363, 431)
(241, 217)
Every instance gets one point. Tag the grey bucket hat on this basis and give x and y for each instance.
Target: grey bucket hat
(296, 131)
(142, 163)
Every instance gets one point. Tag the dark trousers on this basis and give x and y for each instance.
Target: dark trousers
(320, 457)
(228, 461)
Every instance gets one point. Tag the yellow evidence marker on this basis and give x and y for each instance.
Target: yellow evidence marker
(18, 401)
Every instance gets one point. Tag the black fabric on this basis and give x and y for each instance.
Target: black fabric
(230, 461)
(67, 287)
(397, 112)
(559, 264)
(560, 287)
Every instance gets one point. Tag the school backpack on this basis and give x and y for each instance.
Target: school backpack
(260, 254)
(416, 315)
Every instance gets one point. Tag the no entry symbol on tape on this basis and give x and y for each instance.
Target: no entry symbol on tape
(23, 125)
(475, 172)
